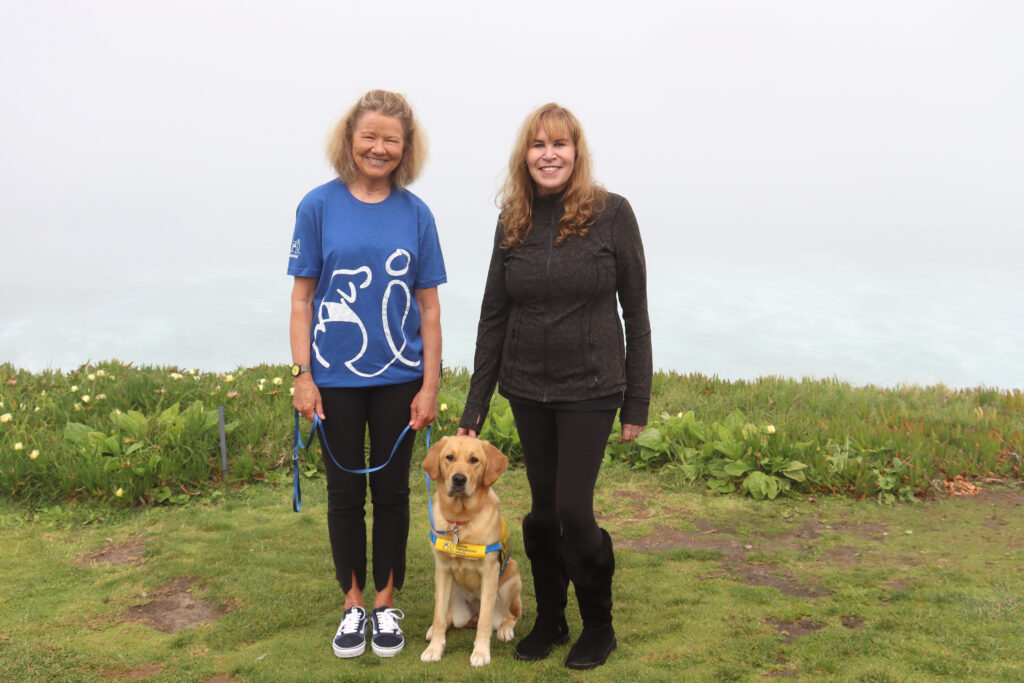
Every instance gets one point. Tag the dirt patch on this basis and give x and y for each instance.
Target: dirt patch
(139, 673)
(173, 608)
(221, 678)
(851, 622)
(775, 577)
(128, 553)
(842, 556)
(800, 539)
(1002, 496)
(792, 630)
(667, 538)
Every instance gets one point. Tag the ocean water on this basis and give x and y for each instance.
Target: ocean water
(912, 324)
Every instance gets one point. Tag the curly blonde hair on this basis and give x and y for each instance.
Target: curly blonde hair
(583, 198)
(414, 152)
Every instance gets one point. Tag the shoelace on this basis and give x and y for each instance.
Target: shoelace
(387, 620)
(350, 623)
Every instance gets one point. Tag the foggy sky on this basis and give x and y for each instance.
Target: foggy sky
(147, 143)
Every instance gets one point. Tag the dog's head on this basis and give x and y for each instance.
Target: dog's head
(462, 465)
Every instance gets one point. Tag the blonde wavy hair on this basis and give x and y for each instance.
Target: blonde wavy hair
(414, 152)
(583, 198)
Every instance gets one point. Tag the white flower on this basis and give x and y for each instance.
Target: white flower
(74, 388)
(770, 429)
(277, 381)
(78, 406)
(6, 417)
(175, 376)
(119, 492)
(100, 397)
(36, 409)
(229, 378)
(34, 454)
(679, 414)
(100, 373)
(18, 446)
(444, 407)
(192, 371)
(291, 391)
(85, 398)
(91, 377)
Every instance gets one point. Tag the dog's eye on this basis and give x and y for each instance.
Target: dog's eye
(474, 460)
(449, 457)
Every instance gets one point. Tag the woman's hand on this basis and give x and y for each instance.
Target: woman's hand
(423, 408)
(307, 397)
(462, 431)
(630, 432)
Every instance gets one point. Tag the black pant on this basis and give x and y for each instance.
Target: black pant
(348, 412)
(563, 450)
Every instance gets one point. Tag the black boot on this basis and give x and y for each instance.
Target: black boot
(592, 577)
(543, 544)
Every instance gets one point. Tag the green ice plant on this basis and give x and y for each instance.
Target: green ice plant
(734, 455)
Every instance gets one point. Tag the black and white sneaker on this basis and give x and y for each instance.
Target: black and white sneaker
(350, 640)
(387, 639)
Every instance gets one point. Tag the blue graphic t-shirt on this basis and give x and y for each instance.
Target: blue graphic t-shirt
(369, 259)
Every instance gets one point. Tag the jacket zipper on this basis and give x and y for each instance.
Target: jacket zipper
(547, 302)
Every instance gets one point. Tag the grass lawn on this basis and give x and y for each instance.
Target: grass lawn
(707, 588)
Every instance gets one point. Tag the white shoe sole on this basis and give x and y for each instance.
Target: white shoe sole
(347, 652)
(387, 651)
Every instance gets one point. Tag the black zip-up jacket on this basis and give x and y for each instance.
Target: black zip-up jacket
(549, 324)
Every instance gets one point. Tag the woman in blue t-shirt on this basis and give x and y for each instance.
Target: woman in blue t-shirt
(366, 345)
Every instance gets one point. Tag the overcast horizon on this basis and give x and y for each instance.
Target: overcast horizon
(824, 189)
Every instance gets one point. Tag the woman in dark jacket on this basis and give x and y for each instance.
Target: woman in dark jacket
(566, 254)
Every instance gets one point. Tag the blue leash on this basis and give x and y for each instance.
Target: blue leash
(318, 427)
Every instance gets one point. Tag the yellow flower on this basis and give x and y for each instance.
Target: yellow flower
(34, 454)
(18, 446)
(192, 371)
(85, 398)
(679, 414)
(78, 406)
(100, 373)
(91, 377)
(74, 388)
(770, 429)
(36, 409)
(291, 391)
(444, 407)
(175, 376)
(229, 378)
(119, 492)
(277, 381)
(100, 397)
(6, 417)
(43, 392)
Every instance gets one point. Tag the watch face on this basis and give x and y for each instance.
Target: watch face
(295, 371)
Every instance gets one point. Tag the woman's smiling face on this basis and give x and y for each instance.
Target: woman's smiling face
(377, 145)
(550, 160)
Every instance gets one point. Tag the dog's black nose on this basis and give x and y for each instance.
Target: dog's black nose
(459, 479)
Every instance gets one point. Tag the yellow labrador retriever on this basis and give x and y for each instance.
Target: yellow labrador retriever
(474, 582)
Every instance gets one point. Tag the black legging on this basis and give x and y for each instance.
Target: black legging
(563, 450)
(385, 409)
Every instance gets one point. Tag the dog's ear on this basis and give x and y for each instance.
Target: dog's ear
(496, 463)
(432, 463)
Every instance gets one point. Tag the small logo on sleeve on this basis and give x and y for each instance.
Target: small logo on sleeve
(295, 249)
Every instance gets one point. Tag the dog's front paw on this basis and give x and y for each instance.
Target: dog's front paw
(505, 633)
(432, 653)
(480, 657)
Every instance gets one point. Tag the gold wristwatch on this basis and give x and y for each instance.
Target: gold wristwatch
(299, 369)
